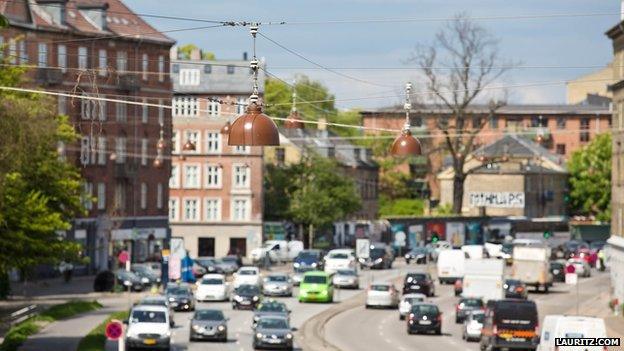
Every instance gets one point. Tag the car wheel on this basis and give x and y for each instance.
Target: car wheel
(457, 320)
(401, 317)
(366, 306)
(464, 336)
(409, 332)
(438, 331)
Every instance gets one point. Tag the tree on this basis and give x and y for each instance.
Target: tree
(279, 185)
(590, 179)
(469, 55)
(184, 52)
(314, 101)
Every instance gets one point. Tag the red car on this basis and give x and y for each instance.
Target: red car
(587, 255)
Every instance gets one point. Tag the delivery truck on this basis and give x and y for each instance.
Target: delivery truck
(483, 278)
(530, 265)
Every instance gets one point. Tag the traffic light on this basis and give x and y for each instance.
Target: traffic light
(434, 238)
(547, 234)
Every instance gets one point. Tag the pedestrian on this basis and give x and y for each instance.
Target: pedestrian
(67, 270)
(601, 260)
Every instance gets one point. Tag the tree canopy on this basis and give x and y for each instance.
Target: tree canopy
(184, 52)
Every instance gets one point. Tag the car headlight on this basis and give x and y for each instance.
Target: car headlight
(255, 298)
(221, 328)
(378, 260)
(171, 299)
(167, 334)
(289, 336)
(259, 335)
(238, 298)
(145, 280)
(296, 264)
(313, 265)
(256, 318)
(196, 327)
(127, 283)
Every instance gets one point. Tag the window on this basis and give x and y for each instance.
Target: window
(161, 112)
(144, 65)
(144, 142)
(101, 157)
(101, 108)
(191, 209)
(561, 122)
(561, 149)
(493, 122)
(174, 181)
(193, 137)
(207, 69)
(143, 196)
(280, 155)
(85, 149)
(102, 62)
(23, 53)
(61, 57)
(12, 51)
(62, 105)
(120, 149)
(122, 61)
(212, 209)
(241, 176)
(82, 58)
(214, 106)
(144, 111)
(191, 176)
(213, 142)
(87, 108)
(175, 141)
(159, 196)
(42, 60)
(476, 122)
(189, 77)
(213, 176)
(87, 201)
(120, 195)
(121, 111)
(101, 196)
(584, 135)
(173, 209)
(240, 209)
(539, 121)
(240, 105)
(241, 149)
(175, 68)
(230, 69)
(185, 107)
(161, 68)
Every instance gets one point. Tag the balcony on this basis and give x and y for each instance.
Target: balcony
(128, 82)
(49, 76)
(126, 170)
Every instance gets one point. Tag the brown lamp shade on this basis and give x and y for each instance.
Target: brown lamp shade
(188, 146)
(226, 128)
(293, 121)
(253, 128)
(406, 145)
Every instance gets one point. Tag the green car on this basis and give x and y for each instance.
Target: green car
(316, 286)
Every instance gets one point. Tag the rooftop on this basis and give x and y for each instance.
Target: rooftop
(214, 77)
(508, 109)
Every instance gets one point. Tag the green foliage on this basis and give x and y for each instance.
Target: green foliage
(96, 339)
(278, 97)
(443, 210)
(4, 22)
(69, 309)
(590, 179)
(184, 52)
(400, 207)
(279, 185)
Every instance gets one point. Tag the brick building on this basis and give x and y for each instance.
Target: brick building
(215, 198)
(103, 49)
(562, 129)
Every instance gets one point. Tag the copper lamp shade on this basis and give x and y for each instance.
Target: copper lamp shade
(293, 121)
(406, 145)
(226, 128)
(188, 146)
(253, 128)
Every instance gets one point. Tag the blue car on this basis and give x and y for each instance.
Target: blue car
(309, 259)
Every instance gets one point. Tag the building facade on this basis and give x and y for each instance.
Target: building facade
(216, 191)
(592, 84)
(103, 49)
(616, 241)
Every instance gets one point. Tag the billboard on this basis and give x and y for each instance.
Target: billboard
(504, 199)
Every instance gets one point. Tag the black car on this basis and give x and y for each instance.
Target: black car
(557, 269)
(129, 280)
(465, 305)
(273, 333)
(246, 296)
(309, 258)
(148, 276)
(208, 325)
(418, 254)
(205, 265)
(510, 324)
(424, 317)
(380, 256)
(418, 283)
(515, 289)
(180, 297)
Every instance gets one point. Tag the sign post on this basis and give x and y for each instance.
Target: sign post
(115, 331)
(571, 278)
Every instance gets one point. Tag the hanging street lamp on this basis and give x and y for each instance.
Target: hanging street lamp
(406, 144)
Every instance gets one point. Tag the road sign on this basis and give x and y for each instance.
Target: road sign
(123, 257)
(362, 248)
(399, 239)
(571, 278)
(570, 269)
(114, 330)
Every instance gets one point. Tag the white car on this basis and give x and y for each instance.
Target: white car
(581, 267)
(152, 321)
(407, 300)
(382, 295)
(247, 275)
(212, 287)
(473, 325)
(346, 278)
(339, 259)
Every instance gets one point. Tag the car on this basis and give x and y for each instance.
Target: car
(510, 324)
(204, 265)
(380, 256)
(466, 305)
(309, 258)
(316, 286)
(148, 328)
(418, 283)
(424, 317)
(338, 259)
(298, 273)
(181, 297)
(473, 325)
(158, 300)
(562, 326)
(475, 251)
(346, 278)
(148, 276)
(129, 280)
(572, 247)
(417, 254)
(277, 284)
(228, 264)
(458, 286)
(507, 252)
(382, 295)
(406, 303)
(208, 324)
(557, 269)
(273, 333)
(270, 308)
(581, 267)
(156, 267)
(515, 289)
(587, 255)
(247, 275)
(437, 247)
(451, 265)
(233, 260)
(212, 287)
(246, 296)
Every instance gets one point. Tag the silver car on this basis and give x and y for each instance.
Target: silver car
(473, 325)
(277, 284)
(297, 276)
(346, 278)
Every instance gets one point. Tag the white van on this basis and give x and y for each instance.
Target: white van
(152, 321)
(559, 326)
(451, 265)
(475, 251)
(277, 250)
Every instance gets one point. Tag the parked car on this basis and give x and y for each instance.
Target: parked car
(382, 295)
(557, 269)
(380, 257)
(339, 259)
(270, 308)
(316, 286)
(465, 305)
(418, 283)
(277, 250)
(158, 300)
(227, 266)
(406, 303)
(581, 267)
(309, 258)
(181, 297)
(247, 275)
(417, 254)
(277, 284)
(148, 276)
(209, 324)
(246, 296)
(129, 280)
(233, 260)
(272, 333)
(515, 289)
(424, 317)
(515, 319)
(205, 265)
(346, 278)
(473, 325)
(212, 287)
(148, 328)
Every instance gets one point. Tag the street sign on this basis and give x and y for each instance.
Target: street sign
(571, 278)
(399, 239)
(114, 330)
(362, 248)
(123, 257)
(570, 269)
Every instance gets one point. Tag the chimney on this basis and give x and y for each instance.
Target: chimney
(195, 55)
(245, 56)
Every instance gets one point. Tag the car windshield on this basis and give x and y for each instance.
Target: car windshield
(425, 309)
(229, 259)
(413, 300)
(349, 272)
(512, 282)
(315, 279)
(212, 281)
(380, 287)
(303, 269)
(177, 291)
(479, 317)
(308, 254)
(247, 272)
(151, 302)
(127, 275)
(339, 255)
(205, 262)
(148, 317)
(507, 248)
(557, 265)
(209, 315)
(248, 289)
(377, 252)
(272, 323)
(272, 307)
(277, 278)
(471, 302)
(415, 277)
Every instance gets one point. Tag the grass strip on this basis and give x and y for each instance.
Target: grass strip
(96, 340)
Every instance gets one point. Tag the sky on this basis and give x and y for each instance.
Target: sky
(553, 41)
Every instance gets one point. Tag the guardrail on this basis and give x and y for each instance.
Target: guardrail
(21, 315)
